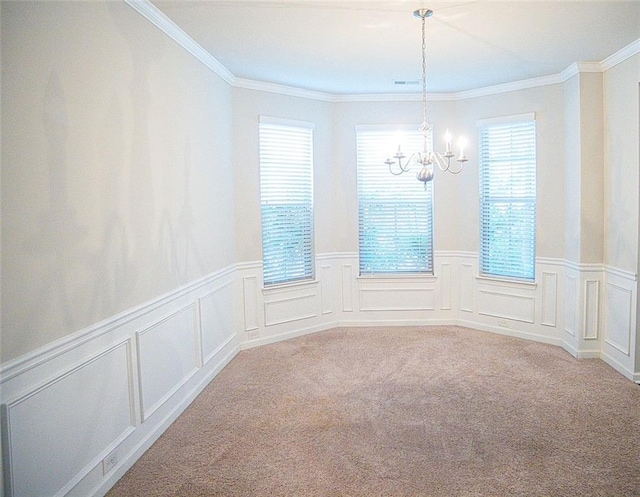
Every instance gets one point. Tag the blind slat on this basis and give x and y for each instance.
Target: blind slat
(508, 200)
(286, 197)
(395, 221)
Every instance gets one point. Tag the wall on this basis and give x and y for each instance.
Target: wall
(118, 235)
(131, 268)
(621, 206)
(117, 185)
(248, 106)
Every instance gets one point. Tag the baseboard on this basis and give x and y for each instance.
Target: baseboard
(153, 433)
(511, 332)
(619, 367)
(280, 337)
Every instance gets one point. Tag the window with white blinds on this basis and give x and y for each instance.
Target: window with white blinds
(508, 197)
(286, 200)
(395, 212)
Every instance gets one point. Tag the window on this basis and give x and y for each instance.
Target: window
(395, 212)
(286, 200)
(508, 197)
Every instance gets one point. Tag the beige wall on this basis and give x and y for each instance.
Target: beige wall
(130, 169)
(248, 106)
(345, 207)
(546, 102)
(117, 182)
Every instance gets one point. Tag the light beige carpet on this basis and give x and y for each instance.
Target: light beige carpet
(410, 411)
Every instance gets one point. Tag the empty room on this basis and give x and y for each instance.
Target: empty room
(319, 248)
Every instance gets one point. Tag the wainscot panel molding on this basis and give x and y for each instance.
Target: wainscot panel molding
(619, 321)
(86, 407)
(445, 286)
(167, 358)
(549, 298)
(591, 309)
(397, 294)
(572, 310)
(114, 374)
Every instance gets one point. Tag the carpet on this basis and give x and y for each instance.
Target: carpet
(401, 411)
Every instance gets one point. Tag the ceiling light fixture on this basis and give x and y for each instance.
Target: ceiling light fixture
(428, 157)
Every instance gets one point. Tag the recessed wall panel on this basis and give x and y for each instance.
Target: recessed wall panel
(396, 299)
(506, 305)
(216, 319)
(167, 357)
(58, 431)
(591, 309)
(347, 288)
(290, 308)
(571, 305)
(549, 298)
(250, 292)
(466, 287)
(326, 289)
(618, 317)
(445, 286)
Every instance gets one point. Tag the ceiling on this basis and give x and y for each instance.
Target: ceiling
(358, 47)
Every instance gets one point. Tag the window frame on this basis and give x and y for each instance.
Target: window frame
(288, 276)
(527, 199)
(387, 133)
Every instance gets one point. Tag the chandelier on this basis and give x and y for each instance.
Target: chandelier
(427, 157)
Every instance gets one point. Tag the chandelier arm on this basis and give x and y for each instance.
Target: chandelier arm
(400, 168)
(459, 170)
(427, 157)
(444, 163)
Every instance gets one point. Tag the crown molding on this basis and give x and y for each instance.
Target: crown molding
(166, 25)
(292, 91)
(621, 55)
(507, 87)
(580, 67)
(173, 31)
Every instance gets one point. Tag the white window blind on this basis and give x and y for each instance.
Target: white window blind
(395, 212)
(286, 199)
(508, 198)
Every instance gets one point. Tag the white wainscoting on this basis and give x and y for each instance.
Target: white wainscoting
(77, 413)
(619, 322)
(582, 304)
(86, 407)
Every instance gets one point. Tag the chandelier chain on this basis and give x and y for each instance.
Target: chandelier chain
(425, 126)
(428, 158)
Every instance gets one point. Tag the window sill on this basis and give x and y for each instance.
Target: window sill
(530, 285)
(397, 277)
(293, 286)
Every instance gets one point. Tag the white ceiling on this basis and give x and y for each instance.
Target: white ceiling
(355, 47)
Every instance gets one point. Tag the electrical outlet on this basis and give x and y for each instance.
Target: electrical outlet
(503, 324)
(253, 335)
(109, 462)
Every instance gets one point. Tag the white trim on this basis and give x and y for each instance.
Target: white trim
(621, 55)
(173, 31)
(514, 118)
(393, 97)
(385, 127)
(279, 121)
(524, 84)
(584, 267)
(453, 253)
(250, 84)
(166, 25)
(580, 67)
(39, 356)
(161, 426)
(621, 273)
(327, 256)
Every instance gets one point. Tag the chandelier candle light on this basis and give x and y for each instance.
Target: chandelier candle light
(428, 157)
